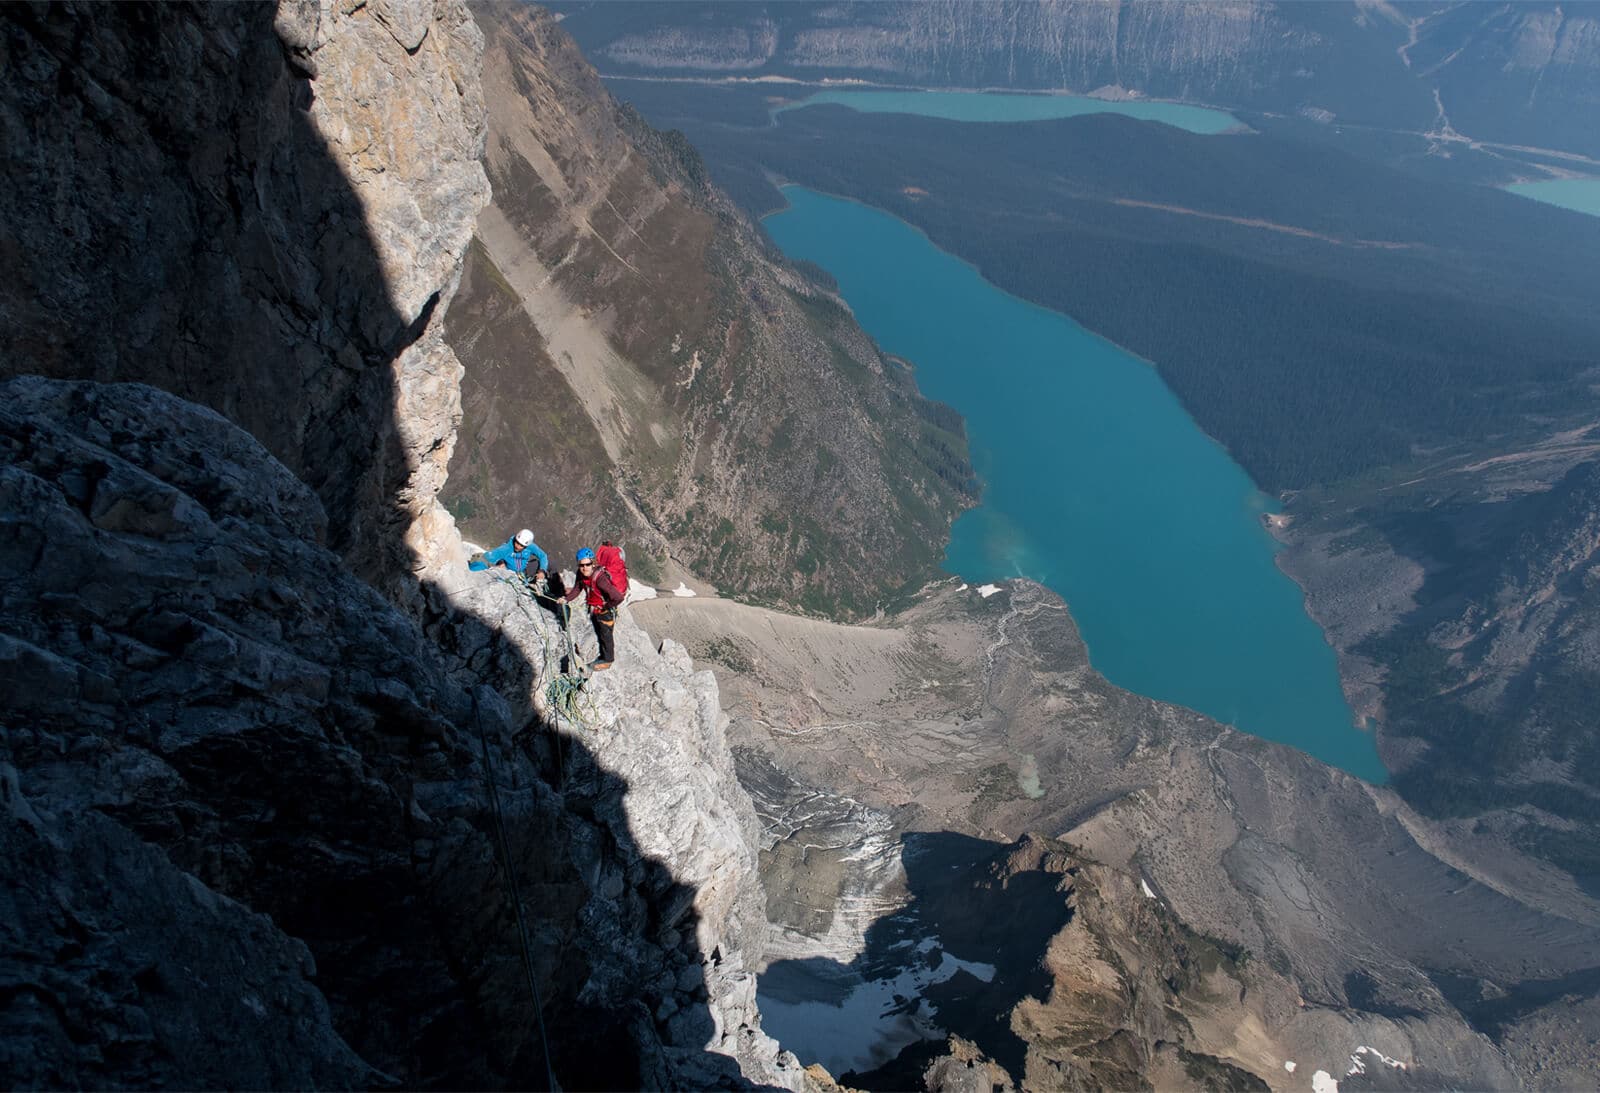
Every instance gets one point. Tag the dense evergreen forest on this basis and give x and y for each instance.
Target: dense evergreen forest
(1322, 316)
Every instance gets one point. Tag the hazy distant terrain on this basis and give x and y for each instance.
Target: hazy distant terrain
(1514, 73)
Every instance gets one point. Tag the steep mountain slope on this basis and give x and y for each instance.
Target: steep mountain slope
(641, 365)
(1515, 73)
(258, 820)
(1464, 607)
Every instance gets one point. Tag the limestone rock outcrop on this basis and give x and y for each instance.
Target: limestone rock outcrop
(247, 835)
(259, 208)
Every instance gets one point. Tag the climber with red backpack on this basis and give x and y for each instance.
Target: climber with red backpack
(603, 578)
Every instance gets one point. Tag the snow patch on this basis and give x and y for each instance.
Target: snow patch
(1145, 886)
(637, 591)
(987, 590)
(872, 1019)
(1322, 1082)
(1289, 1065)
(684, 590)
(1358, 1060)
(963, 587)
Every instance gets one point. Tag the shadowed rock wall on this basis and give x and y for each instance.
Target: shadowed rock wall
(260, 209)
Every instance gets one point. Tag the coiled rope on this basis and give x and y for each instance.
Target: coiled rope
(565, 689)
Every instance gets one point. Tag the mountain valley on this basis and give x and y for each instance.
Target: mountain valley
(1405, 358)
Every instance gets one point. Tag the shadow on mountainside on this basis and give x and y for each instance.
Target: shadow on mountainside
(964, 904)
(170, 215)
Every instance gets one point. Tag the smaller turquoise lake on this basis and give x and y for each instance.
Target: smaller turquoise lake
(1098, 484)
(1000, 106)
(1579, 194)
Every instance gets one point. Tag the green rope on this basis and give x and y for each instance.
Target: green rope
(565, 690)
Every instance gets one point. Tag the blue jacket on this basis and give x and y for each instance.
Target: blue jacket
(515, 559)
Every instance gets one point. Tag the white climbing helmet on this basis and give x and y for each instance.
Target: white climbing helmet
(524, 537)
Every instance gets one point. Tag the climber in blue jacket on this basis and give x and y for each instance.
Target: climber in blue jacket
(520, 554)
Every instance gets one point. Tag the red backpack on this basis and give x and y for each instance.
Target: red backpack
(615, 562)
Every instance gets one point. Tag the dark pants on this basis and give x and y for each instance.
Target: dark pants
(605, 625)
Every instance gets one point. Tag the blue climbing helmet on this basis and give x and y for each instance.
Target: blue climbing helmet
(585, 554)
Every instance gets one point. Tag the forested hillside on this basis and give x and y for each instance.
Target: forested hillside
(1493, 676)
(1322, 316)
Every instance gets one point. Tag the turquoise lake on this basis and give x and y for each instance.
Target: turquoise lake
(1000, 106)
(1098, 484)
(1580, 194)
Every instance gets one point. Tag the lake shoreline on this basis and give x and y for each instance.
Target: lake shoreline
(1208, 625)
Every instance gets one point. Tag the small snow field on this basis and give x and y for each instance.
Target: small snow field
(1359, 1058)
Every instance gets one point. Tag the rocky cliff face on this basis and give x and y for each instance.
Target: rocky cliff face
(625, 328)
(260, 209)
(248, 839)
(262, 826)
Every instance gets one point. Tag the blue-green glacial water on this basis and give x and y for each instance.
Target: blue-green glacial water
(1002, 106)
(1098, 484)
(1579, 194)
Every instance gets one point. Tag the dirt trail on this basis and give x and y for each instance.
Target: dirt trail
(1266, 225)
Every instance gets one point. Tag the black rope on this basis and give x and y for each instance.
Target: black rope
(561, 763)
(499, 821)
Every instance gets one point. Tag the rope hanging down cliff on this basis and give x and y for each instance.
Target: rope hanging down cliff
(503, 851)
(563, 692)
